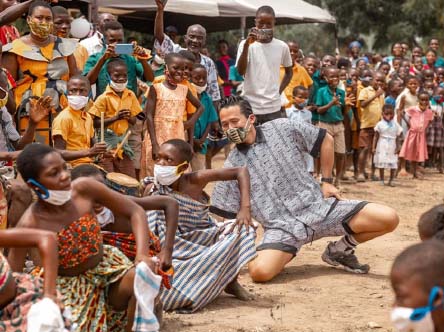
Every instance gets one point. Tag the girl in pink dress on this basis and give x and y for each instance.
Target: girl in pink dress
(414, 148)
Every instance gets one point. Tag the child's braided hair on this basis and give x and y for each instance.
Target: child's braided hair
(431, 223)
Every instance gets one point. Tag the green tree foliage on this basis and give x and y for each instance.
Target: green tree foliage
(388, 21)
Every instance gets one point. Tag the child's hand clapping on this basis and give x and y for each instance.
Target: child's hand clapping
(124, 114)
(380, 92)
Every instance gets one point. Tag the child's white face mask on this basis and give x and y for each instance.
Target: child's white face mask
(199, 88)
(167, 175)
(118, 87)
(416, 319)
(105, 217)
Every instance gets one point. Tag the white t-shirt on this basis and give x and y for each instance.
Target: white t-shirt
(262, 78)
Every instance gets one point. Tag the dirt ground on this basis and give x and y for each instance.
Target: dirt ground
(310, 296)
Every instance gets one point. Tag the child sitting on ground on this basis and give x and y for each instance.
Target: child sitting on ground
(165, 111)
(414, 148)
(208, 118)
(120, 107)
(206, 259)
(386, 144)
(299, 112)
(417, 278)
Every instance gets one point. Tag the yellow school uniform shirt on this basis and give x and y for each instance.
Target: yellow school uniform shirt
(81, 55)
(300, 77)
(111, 103)
(76, 129)
(371, 114)
(189, 109)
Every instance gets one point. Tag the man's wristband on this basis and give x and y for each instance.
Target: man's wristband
(327, 180)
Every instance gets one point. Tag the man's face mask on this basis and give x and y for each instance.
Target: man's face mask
(238, 135)
(416, 319)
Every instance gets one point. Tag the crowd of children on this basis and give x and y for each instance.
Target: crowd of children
(153, 116)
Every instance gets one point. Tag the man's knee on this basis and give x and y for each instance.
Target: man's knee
(260, 272)
(391, 219)
(385, 216)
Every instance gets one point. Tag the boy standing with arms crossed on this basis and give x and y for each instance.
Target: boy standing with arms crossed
(259, 60)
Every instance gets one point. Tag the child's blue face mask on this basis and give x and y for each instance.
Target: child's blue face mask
(416, 319)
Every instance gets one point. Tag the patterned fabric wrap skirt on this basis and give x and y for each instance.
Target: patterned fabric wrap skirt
(204, 263)
(85, 295)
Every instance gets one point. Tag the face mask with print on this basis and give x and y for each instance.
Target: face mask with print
(264, 35)
(54, 197)
(4, 101)
(105, 217)
(41, 30)
(415, 320)
(159, 60)
(167, 175)
(199, 88)
(118, 87)
(238, 135)
(77, 103)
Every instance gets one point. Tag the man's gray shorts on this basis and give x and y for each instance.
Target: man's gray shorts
(335, 224)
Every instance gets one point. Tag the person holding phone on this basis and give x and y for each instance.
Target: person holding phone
(136, 61)
(259, 60)
(195, 40)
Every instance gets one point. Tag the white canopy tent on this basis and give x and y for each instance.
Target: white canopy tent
(297, 10)
(215, 15)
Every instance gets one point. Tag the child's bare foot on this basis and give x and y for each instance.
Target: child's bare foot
(403, 173)
(235, 288)
(391, 184)
(158, 311)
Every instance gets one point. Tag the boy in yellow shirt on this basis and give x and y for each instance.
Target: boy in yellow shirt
(120, 107)
(371, 100)
(72, 129)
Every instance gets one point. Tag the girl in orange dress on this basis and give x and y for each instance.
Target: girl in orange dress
(165, 111)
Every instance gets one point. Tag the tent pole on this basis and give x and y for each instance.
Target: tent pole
(93, 11)
(243, 26)
(336, 40)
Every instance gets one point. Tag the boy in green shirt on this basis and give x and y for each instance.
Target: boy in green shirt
(203, 124)
(331, 107)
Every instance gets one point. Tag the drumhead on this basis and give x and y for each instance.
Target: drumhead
(122, 179)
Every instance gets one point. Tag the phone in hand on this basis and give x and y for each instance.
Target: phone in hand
(164, 2)
(124, 49)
